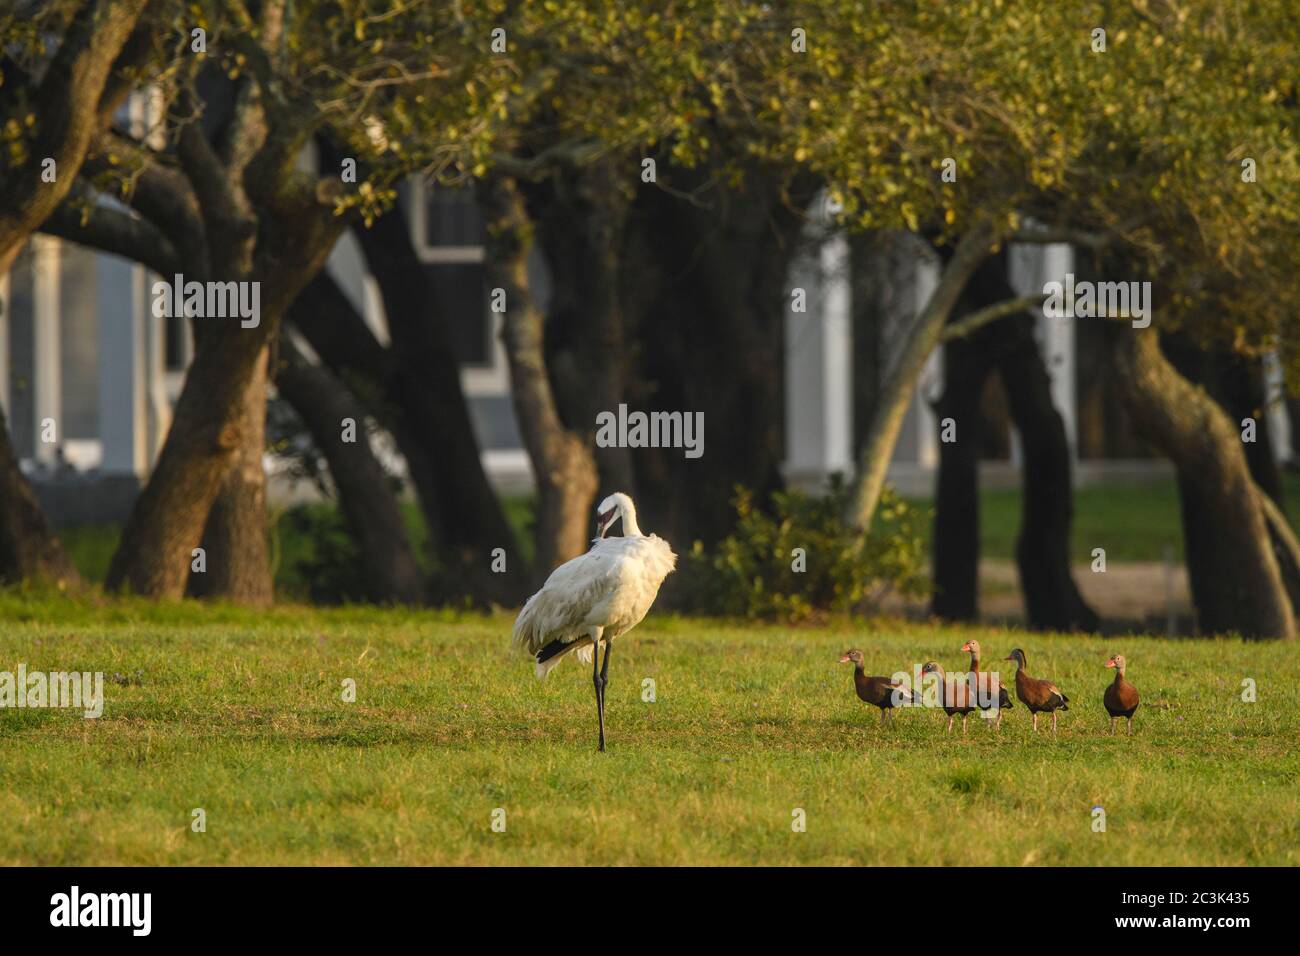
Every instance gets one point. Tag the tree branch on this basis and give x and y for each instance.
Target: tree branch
(991, 313)
(67, 107)
(85, 218)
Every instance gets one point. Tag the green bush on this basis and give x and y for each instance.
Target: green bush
(752, 573)
(320, 562)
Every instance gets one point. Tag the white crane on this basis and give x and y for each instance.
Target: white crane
(592, 599)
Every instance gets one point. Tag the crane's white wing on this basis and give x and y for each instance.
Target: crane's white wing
(611, 586)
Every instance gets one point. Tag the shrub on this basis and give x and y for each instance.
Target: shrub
(751, 573)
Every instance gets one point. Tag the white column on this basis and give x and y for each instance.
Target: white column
(157, 401)
(931, 380)
(804, 358)
(836, 348)
(47, 384)
(1279, 416)
(1031, 267)
(123, 417)
(819, 360)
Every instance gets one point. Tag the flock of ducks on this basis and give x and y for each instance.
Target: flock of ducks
(979, 690)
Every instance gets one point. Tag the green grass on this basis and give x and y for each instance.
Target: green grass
(241, 714)
(1133, 521)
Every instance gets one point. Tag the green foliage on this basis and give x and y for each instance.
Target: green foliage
(324, 565)
(758, 571)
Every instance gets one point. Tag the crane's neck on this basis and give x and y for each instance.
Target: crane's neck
(630, 528)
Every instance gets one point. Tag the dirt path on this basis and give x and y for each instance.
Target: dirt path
(1140, 594)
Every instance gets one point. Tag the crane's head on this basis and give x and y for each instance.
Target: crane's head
(617, 505)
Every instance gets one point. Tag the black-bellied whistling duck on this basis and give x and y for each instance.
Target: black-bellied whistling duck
(1040, 696)
(877, 691)
(987, 687)
(1121, 697)
(957, 698)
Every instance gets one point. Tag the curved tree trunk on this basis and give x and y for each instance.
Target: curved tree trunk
(563, 465)
(365, 489)
(877, 449)
(235, 540)
(1236, 582)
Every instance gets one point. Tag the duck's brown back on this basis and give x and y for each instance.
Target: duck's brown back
(1037, 694)
(875, 690)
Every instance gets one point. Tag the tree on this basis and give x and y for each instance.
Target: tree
(46, 126)
(365, 490)
(226, 200)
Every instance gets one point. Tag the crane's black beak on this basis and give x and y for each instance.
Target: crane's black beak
(603, 521)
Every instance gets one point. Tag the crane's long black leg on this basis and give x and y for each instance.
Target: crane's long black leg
(598, 680)
(604, 680)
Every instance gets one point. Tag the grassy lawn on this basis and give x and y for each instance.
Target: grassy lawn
(241, 714)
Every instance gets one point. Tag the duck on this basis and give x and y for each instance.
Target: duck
(1040, 696)
(988, 687)
(883, 692)
(1121, 697)
(957, 698)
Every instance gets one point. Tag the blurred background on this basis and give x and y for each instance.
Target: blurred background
(477, 227)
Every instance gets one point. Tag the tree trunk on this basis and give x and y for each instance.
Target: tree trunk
(365, 490)
(880, 268)
(580, 217)
(209, 428)
(563, 465)
(709, 317)
(1241, 390)
(75, 97)
(428, 413)
(967, 364)
(1052, 599)
(68, 110)
(235, 539)
(29, 549)
(882, 435)
(1236, 581)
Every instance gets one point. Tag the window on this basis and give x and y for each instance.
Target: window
(452, 218)
(460, 295)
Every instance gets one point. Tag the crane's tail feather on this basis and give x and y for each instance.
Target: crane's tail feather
(554, 652)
